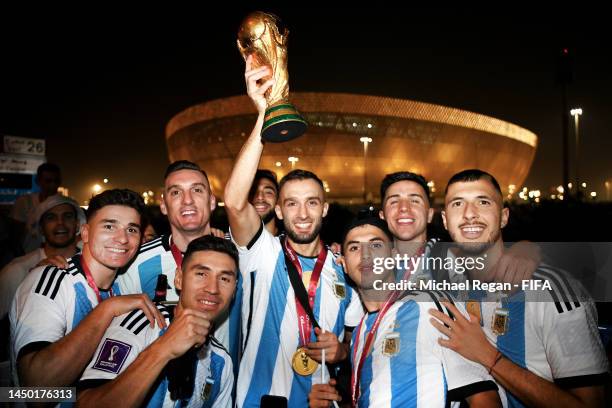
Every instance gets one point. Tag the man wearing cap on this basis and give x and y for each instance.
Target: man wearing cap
(58, 219)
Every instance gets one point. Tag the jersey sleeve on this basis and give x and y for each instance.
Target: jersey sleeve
(573, 346)
(39, 308)
(464, 377)
(117, 350)
(260, 249)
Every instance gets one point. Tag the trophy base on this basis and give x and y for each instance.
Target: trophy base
(282, 123)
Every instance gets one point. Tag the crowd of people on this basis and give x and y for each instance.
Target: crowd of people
(268, 315)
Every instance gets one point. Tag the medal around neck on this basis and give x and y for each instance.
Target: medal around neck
(263, 36)
(302, 364)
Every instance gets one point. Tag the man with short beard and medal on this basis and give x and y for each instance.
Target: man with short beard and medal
(297, 302)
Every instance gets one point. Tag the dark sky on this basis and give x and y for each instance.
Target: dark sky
(100, 87)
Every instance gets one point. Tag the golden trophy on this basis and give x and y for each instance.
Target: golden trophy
(261, 36)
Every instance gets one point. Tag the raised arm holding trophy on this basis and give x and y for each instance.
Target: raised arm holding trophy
(260, 35)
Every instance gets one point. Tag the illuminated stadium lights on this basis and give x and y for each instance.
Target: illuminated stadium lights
(537, 200)
(576, 112)
(278, 164)
(552, 196)
(96, 188)
(369, 126)
(561, 190)
(293, 160)
(105, 181)
(354, 124)
(593, 194)
(569, 185)
(583, 185)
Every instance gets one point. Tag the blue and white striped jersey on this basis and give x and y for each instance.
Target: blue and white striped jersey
(406, 366)
(49, 304)
(129, 334)
(270, 321)
(551, 332)
(155, 258)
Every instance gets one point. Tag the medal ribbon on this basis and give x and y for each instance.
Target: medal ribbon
(369, 340)
(92, 283)
(304, 323)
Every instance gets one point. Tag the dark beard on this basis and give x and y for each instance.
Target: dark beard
(269, 216)
(303, 239)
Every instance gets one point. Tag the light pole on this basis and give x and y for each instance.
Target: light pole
(576, 112)
(365, 140)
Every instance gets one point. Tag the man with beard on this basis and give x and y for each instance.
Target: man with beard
(59, 219)
(406, 208)
(540, 350)
(396, 361)
(58, 316)
(263, 196)
(297, 302)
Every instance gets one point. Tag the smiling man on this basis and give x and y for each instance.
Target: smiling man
(539, 349)
(263, 196)
(287, 281)
(59, 315)
(59, 219)
(396, 360)
(130, 361)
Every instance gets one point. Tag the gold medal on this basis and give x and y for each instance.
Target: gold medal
(302, 364)
(473, 308)
(339, 290)
(500, 321)
(391, 344)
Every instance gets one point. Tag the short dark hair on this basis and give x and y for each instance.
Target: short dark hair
(211, 243)
(473, 175)
(366, 220)
(183, 165)
(299, 174)
(48, 167)
(262, 174)
(401, 176)
(116, 196)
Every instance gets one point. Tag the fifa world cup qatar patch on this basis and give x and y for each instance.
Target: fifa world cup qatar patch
(112, 356)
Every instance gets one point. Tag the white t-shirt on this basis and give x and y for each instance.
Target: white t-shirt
(13, 274)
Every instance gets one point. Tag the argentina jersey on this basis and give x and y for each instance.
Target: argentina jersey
(49, 304)
(129, 334)
(406, 366)
(154, 259)
(270, 322)
(552, 331)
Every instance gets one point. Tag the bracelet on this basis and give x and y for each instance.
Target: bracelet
(497, 358)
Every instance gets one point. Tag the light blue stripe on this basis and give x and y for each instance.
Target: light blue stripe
(82, 304)
(512, 344)
(263, 369)
(148, 272)
(404, 381)
(217, 363)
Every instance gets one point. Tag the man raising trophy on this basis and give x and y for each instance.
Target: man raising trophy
(261, 37)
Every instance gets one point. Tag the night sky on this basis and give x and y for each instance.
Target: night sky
(100, 87)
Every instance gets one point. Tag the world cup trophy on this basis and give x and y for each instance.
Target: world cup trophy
(262, 36)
